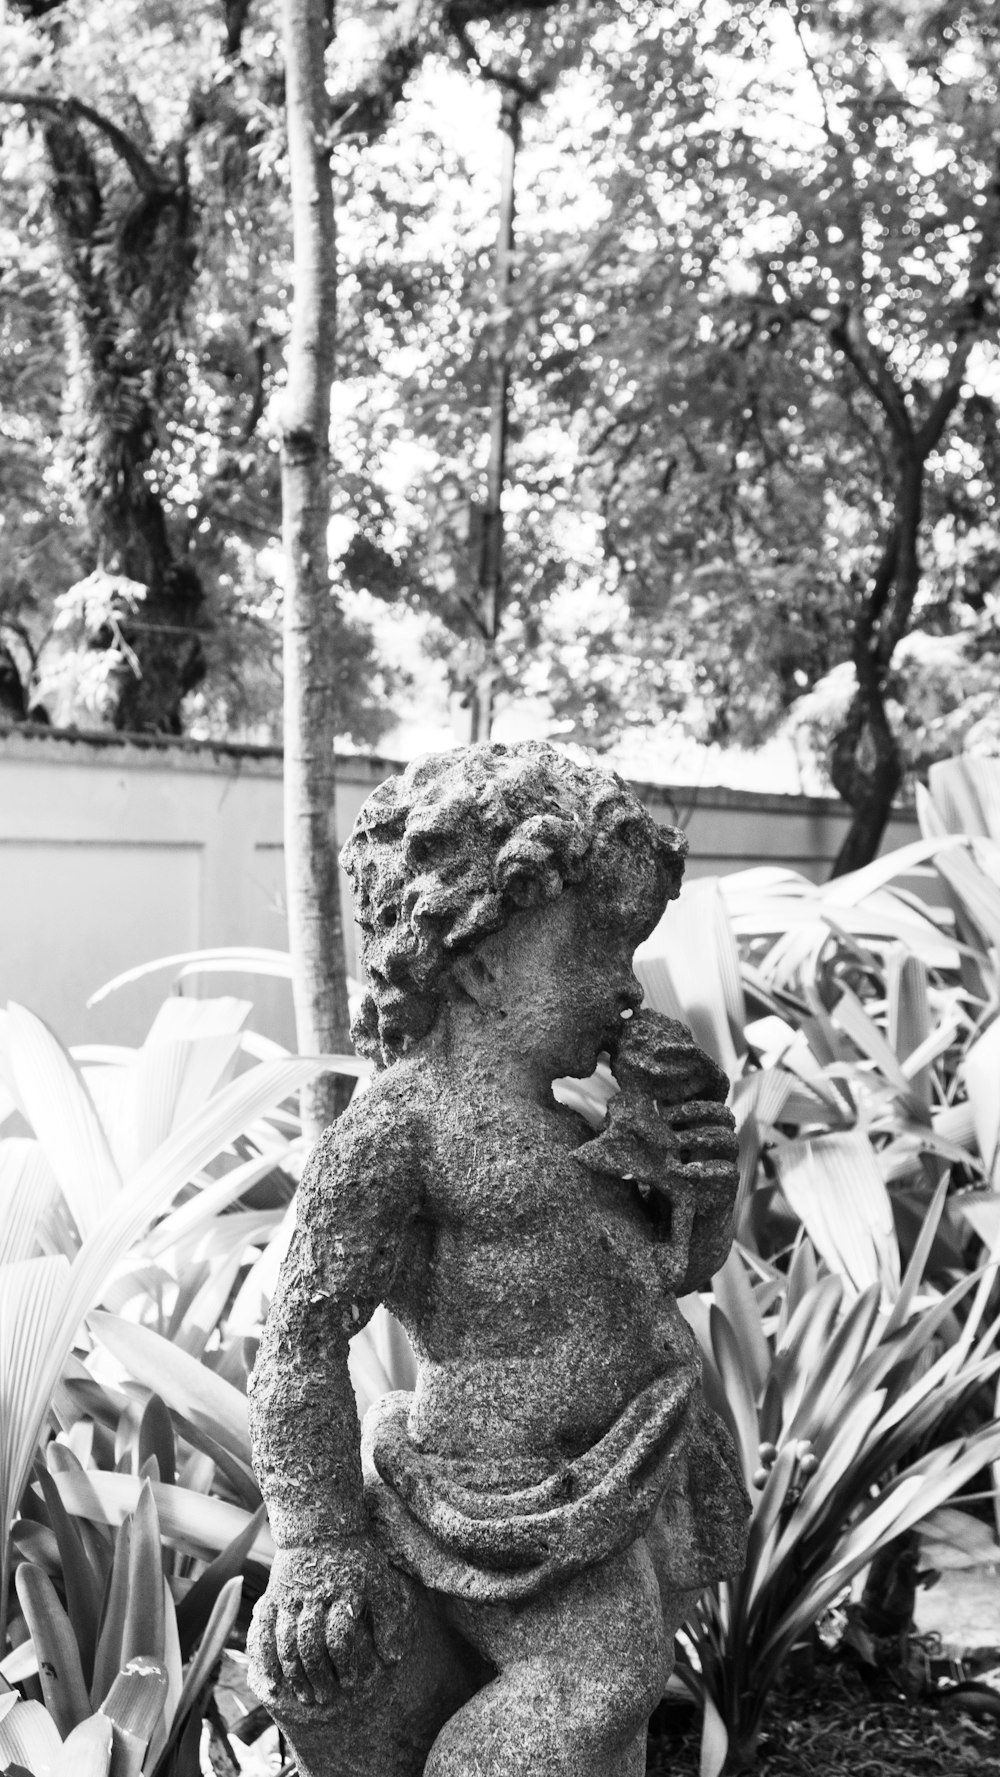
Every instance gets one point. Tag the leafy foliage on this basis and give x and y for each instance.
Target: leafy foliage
(859, 1022)
(845, 1408)
(158, 1183)
(158, 268)
(795, 310)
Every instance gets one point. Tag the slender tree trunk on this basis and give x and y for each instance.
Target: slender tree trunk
(491, 544)
(315, 928)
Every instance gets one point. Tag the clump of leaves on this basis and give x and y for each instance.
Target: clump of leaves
(155, 1182)
(844, 1407)
(124, 1660)
(858, 1021)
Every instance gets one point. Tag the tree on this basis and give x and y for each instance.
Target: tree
(136, 577)
(310, 643)
(791, 312)
(122, 207)
(315, 931)
(450, 494)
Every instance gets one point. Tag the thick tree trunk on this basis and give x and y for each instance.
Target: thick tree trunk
(866, 764)
(868, 778)
(128, 253)
(129, 257)
(315, 929)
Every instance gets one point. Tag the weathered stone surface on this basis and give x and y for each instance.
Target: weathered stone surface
(490, 1585)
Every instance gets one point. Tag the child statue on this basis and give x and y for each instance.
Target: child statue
(490, 1586)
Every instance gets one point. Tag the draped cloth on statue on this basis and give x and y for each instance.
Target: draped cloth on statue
(489, 1545)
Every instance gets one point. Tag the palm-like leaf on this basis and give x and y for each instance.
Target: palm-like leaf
(196, 1111)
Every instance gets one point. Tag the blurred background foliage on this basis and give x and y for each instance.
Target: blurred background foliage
(752, 337)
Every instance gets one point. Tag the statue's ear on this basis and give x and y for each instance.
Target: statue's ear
(474, 975)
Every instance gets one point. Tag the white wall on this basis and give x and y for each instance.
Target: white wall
(115, 852)
(112, 854)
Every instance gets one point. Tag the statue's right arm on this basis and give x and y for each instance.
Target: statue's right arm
(331, 1595)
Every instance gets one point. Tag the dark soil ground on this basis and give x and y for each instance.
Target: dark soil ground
(840, 1726)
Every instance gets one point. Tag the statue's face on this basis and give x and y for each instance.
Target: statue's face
(562, 982)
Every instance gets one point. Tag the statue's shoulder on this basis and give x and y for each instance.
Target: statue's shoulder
(382, 1137)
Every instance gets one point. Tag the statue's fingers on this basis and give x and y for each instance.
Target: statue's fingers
(286, 1636)
(313, 1651)
(392, 1628)
(712, 1144)
(689, 1074)
(261, 1644)
(715, 1181)
(345, 1632)
(694, 1113)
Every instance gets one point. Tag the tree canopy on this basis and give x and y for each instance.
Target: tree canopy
(750, 334)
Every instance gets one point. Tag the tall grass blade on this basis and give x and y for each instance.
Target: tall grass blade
(732, 1291)
(909, 1019)
(851, 1016)
(199, 1600)
(980, 1070)
(81, 1582)
(29, 1737)
(31, 1297)
(738, 1383)
(978, 893)
(87, 1752)
(133, 1706)
(235, 959)
(215, 1196)
(62, 1115)
(27, 1189)
(692, 961)
(185, 1384)
(195, 1522)
(714, 1742)
(169, 1081)
(217, 1629)
(63, 1689)
(918, 1262)
(834, 1186)
(108, 1658)
(954, 798)
(837, 1364)
(142, 1631)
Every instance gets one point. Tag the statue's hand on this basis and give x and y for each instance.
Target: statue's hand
(329, 1615)
(703, 1132)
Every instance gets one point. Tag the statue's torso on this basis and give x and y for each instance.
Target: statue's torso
(529, 1284)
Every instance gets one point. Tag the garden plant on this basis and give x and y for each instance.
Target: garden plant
(140, 1192)
(850, 1340)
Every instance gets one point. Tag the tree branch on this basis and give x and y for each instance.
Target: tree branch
(848, 334)
(970, 319)
(529, 91)
(837, 141)
(68, 107)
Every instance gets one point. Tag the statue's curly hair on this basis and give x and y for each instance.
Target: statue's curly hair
(444, 854)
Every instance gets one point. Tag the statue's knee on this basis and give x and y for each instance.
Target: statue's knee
(621, 1661)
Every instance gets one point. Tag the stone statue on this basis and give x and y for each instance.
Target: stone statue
(490, 1586)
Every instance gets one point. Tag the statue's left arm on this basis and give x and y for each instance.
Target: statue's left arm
(329, 1583)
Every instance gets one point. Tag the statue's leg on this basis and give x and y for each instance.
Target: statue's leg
(385, 1726)
(579, 1671)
